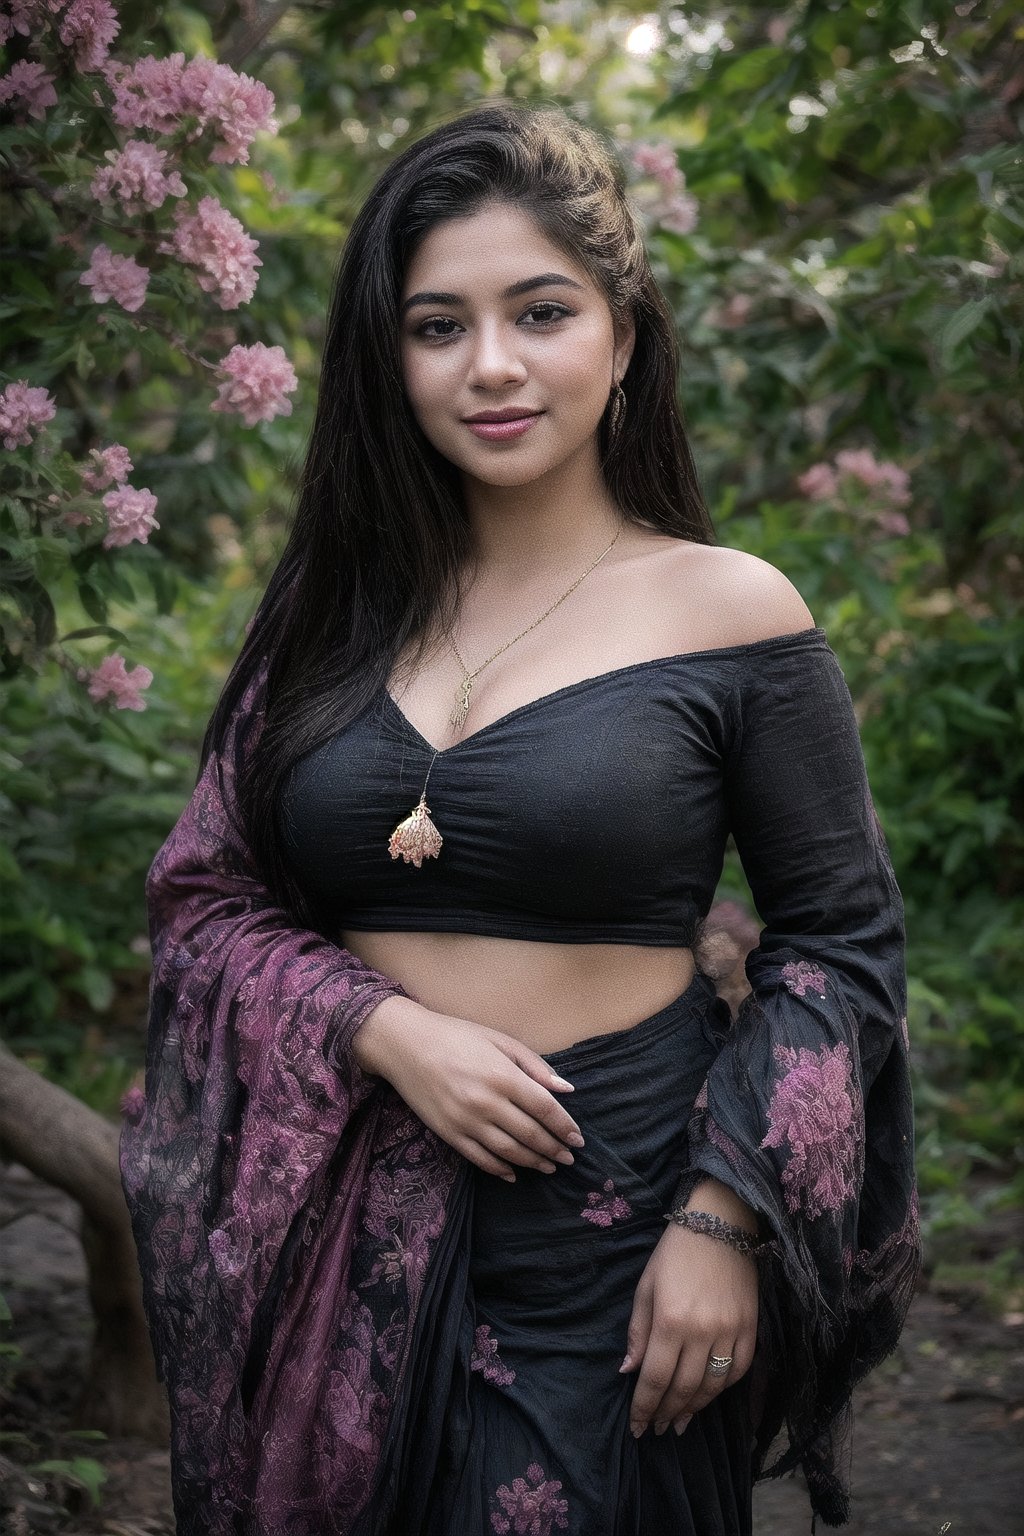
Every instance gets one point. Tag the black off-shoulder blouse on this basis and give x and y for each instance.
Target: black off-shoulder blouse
(600, 812)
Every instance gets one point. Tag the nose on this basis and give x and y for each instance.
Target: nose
(494, 356)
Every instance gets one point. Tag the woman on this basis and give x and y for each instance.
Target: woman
(427, 1076)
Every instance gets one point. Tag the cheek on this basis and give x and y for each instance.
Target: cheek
(419, 378)
(577, 369)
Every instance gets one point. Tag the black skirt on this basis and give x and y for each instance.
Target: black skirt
(515, 1418)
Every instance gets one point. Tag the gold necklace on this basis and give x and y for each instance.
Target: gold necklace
(416, 838)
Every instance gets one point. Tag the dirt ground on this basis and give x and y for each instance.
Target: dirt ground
(937, 1447)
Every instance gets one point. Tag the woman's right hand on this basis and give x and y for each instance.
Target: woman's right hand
(483, 1092)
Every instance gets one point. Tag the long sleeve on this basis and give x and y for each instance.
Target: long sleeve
(807, 1110)
(257, 1165)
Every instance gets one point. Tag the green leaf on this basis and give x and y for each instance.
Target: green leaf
(95, 629)
(959, 326)
(10, 870)
(752, 69)
(94, 603)
(89, 1474)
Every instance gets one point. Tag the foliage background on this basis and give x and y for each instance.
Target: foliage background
(853, 280)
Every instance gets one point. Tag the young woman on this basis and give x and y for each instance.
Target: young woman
(431, 1059)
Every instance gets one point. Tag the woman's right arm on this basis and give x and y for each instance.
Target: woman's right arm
(483, 1092)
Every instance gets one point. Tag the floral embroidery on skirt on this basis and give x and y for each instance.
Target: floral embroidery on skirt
(485, 1358)
(531, 1507)
(604, 1206)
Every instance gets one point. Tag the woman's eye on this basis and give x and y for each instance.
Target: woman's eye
(549, 314)
(421, 330)
(556, 311)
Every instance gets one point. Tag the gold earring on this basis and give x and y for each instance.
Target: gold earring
(618, 399)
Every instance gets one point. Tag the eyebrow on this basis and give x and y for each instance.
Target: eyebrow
(528, 284)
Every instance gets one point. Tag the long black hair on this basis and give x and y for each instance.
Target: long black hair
(372, 561)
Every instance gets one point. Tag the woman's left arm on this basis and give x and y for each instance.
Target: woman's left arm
(805, 1121)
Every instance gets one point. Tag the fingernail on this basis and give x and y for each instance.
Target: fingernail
(560, 1081)
(637, 1430)
(680, 1424)
(626, 1363)
(564, 1157)
(661, 1426)
(509, 1178)
(575, 1139)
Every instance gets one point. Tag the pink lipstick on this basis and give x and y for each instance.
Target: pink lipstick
(498, 431)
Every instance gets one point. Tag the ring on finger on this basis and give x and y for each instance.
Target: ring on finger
(718, 1365)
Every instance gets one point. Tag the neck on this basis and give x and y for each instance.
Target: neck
(551, 527)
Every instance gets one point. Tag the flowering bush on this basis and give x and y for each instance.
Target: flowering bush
(177, 116)
(672, 208)
(888, 484)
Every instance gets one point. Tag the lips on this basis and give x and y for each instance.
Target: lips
(498, 431)
(508, 415)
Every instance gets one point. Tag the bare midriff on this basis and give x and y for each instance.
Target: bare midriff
(547, 995)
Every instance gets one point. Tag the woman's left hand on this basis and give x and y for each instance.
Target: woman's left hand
(697, 1297)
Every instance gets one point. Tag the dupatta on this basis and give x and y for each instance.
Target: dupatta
(287, 1207)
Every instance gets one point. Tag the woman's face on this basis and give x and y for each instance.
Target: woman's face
(470, 345)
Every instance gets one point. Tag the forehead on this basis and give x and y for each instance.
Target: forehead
(486, 252)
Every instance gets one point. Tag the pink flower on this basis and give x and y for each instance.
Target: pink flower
(859, 462)
(164, 94)
(893, 523)
(129, 516)
(812, 1107)
(213, 240)
(136, 175)
(25, 14)
(896, 482)
(147, 93)
(885, 476)
(120, 278)
(659, 160)
(531, 1507)
(89, 27)
(111, 678)
(29, 81)
(604, 1206)
(679, 214)
(819, 482)
(237, 106)
(23, 406)
(258, 378)
(109, 465)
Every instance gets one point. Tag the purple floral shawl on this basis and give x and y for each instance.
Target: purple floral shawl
(285, 1205)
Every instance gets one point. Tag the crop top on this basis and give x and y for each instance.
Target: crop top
(600, 812)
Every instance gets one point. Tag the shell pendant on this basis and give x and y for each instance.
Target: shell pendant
(416, 838)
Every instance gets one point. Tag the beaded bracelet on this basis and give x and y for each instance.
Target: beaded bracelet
(714, 1226)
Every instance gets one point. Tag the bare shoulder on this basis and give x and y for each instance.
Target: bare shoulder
(740, 598)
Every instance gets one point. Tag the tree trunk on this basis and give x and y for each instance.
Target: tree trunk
(67, 1144)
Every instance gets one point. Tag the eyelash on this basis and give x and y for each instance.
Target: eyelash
(562, 313)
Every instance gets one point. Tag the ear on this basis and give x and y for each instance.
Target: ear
(625, 340)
